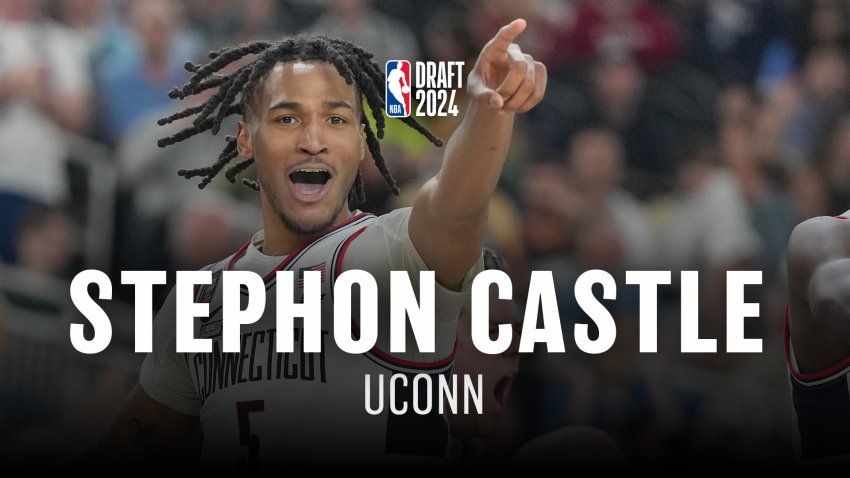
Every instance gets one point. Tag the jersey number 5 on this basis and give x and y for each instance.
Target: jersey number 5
(246, 438)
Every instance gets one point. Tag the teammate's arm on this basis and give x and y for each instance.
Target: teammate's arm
(449, 214)
(145, 432)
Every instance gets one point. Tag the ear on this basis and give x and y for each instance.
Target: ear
(362, 141)
(244, 142)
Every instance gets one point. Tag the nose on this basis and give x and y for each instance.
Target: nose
(312, 138)
(513, 348)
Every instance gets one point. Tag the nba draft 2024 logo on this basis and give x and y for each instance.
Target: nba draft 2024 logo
(435, 82)
(398, 89)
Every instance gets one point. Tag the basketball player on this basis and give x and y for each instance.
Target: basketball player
(498, 370)
(304, 128)
(817, 338)
(479, 440)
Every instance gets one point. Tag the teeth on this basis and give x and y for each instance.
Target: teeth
(312, 170)
(309, 189)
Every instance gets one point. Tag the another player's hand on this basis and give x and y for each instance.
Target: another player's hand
(504, 77)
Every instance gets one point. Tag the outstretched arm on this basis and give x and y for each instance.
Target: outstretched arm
(449, 214)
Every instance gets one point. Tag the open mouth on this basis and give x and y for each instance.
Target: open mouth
(501, 390)
(309, 184)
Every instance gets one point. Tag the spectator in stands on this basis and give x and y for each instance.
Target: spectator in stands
(638, 28)
(595, 165)
(135, 80)
(44, 89)
(46, 242)
(358, 21)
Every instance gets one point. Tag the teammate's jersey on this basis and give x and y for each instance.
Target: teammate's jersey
(821, 406)
(259, 408)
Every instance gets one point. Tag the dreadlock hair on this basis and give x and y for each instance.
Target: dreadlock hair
(237, 91)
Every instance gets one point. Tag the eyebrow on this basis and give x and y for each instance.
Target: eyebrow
(290, 105)
(293, 105)
(339, 104)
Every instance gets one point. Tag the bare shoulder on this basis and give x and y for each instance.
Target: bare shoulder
(819, 236)
(814, 242)
(819, 292)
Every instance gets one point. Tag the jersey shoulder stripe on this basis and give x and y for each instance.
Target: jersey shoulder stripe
(377, 355)
(840, 369)
(303, 248)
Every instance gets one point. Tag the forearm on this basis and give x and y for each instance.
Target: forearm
(449, 215)
(473, 161)
(144, 432)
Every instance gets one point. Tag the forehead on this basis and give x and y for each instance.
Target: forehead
(304, 82)
(501, 311)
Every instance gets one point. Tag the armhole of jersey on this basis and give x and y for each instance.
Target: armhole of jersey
(810, 379)
(377, 355)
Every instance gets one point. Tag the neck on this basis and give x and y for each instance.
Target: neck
(280, 241)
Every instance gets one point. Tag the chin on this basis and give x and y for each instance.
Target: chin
(488, 426)
(302, 213)
(305, 223)
(311, 219)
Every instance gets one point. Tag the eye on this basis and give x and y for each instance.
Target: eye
(286, 119)
(337, 120)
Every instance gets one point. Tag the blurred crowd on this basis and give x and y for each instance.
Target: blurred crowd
(675, 135)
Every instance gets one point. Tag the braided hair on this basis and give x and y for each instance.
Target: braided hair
(237, 90)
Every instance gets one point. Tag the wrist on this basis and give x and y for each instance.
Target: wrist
(477, 107)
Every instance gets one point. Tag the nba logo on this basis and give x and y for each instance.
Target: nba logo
(397, 94)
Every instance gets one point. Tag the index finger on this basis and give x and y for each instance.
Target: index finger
(506, 35)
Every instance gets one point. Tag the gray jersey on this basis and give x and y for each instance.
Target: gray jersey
(263, 409)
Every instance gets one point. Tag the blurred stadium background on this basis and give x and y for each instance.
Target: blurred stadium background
(675, 134)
